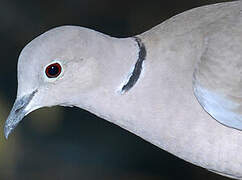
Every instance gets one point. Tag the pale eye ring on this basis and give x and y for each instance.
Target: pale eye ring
(53, 70)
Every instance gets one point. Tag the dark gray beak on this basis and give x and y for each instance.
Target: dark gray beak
(17, 113)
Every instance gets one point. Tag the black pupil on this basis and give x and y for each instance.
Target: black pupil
(53, 70)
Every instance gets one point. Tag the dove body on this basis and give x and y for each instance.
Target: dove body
(177, 85)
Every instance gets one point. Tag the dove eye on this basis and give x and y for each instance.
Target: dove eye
(53, 70)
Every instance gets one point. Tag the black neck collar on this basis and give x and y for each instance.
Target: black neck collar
(138, 66)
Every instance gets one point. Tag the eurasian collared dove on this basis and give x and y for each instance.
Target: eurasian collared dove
(177, 85)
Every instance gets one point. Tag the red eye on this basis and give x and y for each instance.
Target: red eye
(53, 70)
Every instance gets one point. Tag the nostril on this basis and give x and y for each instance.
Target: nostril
(24, 102)
(19, 109)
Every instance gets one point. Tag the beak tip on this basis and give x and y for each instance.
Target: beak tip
(7, 131)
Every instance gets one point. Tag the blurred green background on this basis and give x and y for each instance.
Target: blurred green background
(70, 143)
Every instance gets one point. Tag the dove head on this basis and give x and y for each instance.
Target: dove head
(59, 64)
(60, 67)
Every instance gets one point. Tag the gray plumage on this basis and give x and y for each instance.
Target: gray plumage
(187, 99)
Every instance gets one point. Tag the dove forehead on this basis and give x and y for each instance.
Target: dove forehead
(62, 41)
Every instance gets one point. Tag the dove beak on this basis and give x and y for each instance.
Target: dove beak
(17, 113)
